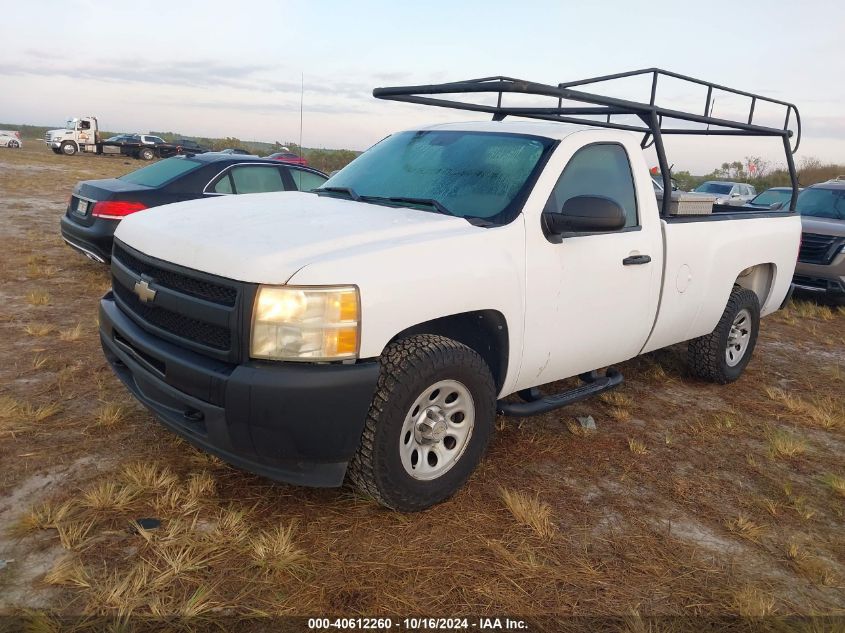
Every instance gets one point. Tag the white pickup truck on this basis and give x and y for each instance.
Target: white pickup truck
(372, 329)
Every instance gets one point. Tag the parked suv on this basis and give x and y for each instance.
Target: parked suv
(821, 261)
(733, 193)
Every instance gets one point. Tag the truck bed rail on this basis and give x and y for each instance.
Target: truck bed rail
(651, 113)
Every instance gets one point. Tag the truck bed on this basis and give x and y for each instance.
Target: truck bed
(701, 259)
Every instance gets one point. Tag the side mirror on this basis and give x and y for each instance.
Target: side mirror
(586, 214)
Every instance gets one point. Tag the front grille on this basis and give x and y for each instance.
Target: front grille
(176, 324)
(195, 310)
(819, 249)
(201, 289)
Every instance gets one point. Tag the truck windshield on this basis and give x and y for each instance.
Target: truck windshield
(714, 187)
(467, 174)
(822, 203)
(71, 124)
(162, 172)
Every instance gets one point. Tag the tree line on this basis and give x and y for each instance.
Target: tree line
(760, 173)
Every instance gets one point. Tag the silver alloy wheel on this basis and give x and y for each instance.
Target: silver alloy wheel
(738, 338)
(69, 149)
(437, 430)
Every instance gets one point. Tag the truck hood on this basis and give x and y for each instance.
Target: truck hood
(267, 237)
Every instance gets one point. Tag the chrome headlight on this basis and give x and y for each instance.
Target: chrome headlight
(305, 323)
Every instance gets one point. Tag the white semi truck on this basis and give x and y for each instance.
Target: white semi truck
(82, 134)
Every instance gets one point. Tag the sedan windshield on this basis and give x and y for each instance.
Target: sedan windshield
(822, 203)
(773, 196)
(466, 174)
(714, 187)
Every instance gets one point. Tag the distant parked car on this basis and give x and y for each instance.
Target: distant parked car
(234, 150)
(188, 146)
(776, 197)
(288, 157)
(821, 260)
(143, 146)
(733, 193)
(96, 206)
(11, 139)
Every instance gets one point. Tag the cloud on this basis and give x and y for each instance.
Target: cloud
(274, 107)
(191, 73)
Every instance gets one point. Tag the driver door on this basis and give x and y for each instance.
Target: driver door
(592, 297)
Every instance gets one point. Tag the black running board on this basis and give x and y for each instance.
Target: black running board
(537, 403)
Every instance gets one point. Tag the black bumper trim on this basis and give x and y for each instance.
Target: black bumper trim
(290, 422)
(92, 241)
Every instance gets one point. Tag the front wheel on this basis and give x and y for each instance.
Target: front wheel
(722, 355)
(429, 423)
(68, 148)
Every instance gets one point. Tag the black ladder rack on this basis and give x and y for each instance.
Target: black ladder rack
(651, 114)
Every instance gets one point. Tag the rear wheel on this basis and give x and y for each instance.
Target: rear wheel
(722, 355)
(68, 148)
(147, 153)
(429, 423)
(14, 144)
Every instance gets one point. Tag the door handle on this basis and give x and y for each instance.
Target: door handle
(636, 260)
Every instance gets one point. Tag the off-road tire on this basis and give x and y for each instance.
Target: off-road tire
(706, 354)
(67, 148)
(146, 153)
(408, 367)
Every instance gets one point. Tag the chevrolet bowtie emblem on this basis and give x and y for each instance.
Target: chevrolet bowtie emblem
(143, 290)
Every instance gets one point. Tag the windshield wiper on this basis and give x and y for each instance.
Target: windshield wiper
(348, 191)
(431, 204)
(426, 202)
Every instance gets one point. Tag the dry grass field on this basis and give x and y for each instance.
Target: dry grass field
(689, 499)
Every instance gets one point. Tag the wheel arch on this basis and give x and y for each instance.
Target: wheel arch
(760, 279)
(485, 331)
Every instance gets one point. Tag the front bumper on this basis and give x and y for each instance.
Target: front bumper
(95, 241)
(828, 278)
(292, 422)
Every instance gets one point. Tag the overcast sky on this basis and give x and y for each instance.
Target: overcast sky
(233, 68)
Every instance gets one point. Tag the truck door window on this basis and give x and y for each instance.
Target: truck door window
(306, 180)
(601, 169)
(257, 179)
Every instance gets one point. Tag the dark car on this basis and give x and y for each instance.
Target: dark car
(288, 157)
(143, 146)
(96, 206)
(779, 196)
(187, 146)
(235, 150)
(821, 260)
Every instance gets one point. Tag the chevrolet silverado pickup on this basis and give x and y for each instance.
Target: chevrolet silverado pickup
(369, 331)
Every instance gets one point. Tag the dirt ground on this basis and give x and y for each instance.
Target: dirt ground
(689, 499)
